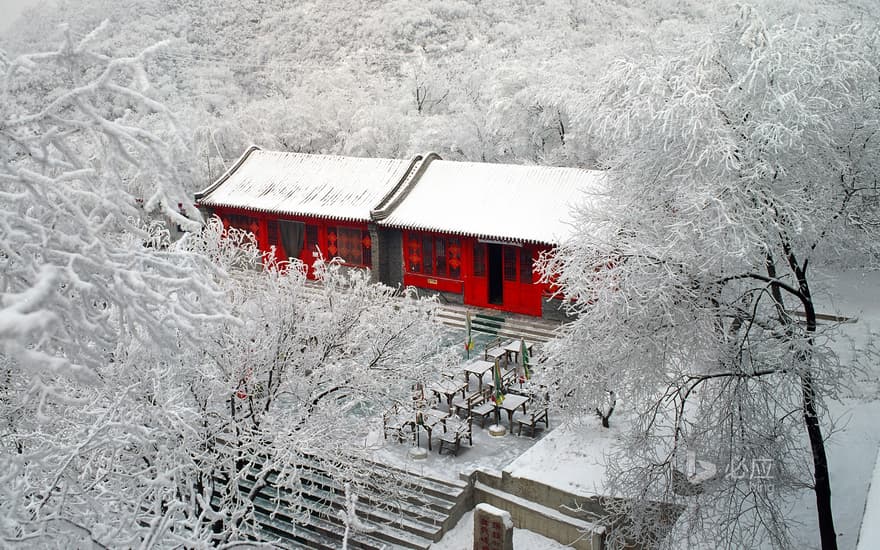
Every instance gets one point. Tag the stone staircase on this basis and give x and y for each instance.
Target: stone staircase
(487, 321)
(396, 509)
(495, 323)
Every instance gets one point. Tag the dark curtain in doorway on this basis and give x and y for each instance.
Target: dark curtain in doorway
(291, 237)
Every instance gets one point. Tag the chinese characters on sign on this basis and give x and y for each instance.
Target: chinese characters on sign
(493, 529)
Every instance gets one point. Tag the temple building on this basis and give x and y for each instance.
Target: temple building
(469, 231)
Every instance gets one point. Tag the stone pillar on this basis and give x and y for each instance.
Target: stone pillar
(493, 528)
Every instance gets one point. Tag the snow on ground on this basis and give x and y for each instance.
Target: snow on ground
(571, 457)
(487, 452)
(869, 536)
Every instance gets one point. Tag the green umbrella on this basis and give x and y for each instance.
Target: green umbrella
(496, 373)
(469, 343)
(524, 353)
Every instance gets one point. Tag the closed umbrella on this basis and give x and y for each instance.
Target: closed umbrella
(524, 354)
(499, 392)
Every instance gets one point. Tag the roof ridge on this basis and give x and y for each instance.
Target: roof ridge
(390, 201)
(210, 189)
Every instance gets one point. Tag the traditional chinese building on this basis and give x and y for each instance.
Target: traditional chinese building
(301, 204)
(474, 230)
(468, 231)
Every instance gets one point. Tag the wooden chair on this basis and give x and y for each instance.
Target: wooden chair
(483, 408)
(495, 350)
(455, 429)
(466, 403)
(538, 415)
(396, 420)
(428, 419)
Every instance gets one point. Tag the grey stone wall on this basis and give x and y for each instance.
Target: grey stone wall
(552, 310)
(387, 255)
(444, 297)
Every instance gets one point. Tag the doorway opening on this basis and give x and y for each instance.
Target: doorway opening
(496, 274)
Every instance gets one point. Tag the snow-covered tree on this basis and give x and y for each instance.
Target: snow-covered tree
(88, 177)
(732, 170)
(292, 384)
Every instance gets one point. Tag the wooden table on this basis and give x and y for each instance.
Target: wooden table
(510, 403)
(447, 388)
(429, 418)
(494, 354)
(512, 349)
(479, 368)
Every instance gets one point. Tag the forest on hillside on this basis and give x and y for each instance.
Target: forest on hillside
(496, 80)
(146, 381)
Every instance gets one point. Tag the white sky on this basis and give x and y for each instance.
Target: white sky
(11, 9)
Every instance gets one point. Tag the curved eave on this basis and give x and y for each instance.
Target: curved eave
(486, 236)
(286, 212)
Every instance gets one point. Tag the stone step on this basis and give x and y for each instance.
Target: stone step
(413, 510)
(325, 528)
(398, 527)
(282, 533)
(328, 533)
(383, 475)
(404, 510)
(447, 489)
(506, 326)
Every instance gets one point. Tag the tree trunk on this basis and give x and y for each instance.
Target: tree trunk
(827, 533)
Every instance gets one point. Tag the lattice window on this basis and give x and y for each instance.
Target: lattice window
(414, 255)
(428, 254)
(479, 259)
(245, 223)
(273, 236)
(440, 254)
(526, 267)
(453, 258)
(509, 263)
(367, 244)
(351, 248)
(310, 243)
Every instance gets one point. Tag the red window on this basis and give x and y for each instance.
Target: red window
(428, 254)
(479, 259)
(453, 258)
(414, 255)
(351, 244)
(245, 223)
(273, 237)
(310, 243)
(433, 255)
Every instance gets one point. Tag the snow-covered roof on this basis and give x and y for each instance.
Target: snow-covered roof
(495, 201)
(321, 186)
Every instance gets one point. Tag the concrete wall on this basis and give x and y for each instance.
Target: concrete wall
(537, 507)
